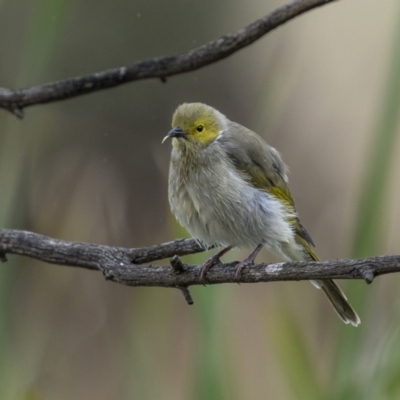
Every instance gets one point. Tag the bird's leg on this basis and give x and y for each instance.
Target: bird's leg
(247, 261)
(211, 262)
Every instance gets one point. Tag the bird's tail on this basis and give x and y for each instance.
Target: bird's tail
(335, 295)
(338, 301)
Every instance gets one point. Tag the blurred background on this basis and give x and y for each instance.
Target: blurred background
(324, 89)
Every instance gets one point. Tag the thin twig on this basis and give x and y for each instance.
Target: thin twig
(186, 294)
(177, 264)
(160, 67)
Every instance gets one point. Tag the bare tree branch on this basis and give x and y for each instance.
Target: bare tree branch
(161, 67)
(124, 266)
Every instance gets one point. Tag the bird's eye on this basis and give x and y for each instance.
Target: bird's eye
(200, 128)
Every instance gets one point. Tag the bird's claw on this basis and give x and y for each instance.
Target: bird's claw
(240, 266)
(207, 266)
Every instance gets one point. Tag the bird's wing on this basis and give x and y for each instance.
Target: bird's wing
(263, 167)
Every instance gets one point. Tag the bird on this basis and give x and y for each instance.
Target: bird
(229, 189)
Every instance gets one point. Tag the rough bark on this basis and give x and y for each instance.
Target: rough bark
(125, 265)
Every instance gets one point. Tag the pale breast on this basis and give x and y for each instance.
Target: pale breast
(218, 206)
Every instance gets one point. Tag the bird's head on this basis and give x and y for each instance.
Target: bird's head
(196, 124)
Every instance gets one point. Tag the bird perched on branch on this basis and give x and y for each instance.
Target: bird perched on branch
(229, 188)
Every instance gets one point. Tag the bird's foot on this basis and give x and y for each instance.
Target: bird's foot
(243, 264)
(247, 262)
(214, 260)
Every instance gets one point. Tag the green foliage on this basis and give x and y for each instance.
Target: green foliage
(370, 232)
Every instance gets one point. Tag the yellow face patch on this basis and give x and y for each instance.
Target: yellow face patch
(205, 130)
(198, 121)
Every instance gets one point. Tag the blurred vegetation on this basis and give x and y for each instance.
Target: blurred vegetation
(323, 89)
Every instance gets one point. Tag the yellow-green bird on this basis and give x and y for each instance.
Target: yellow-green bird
(229, 188)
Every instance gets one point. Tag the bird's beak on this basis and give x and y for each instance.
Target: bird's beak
(176, 132)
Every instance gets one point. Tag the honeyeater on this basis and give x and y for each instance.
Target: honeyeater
(229, 188)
